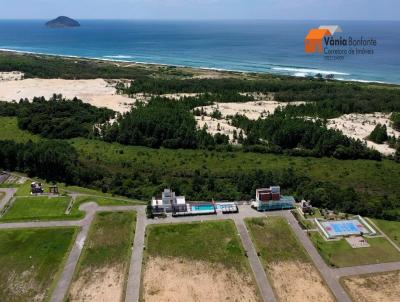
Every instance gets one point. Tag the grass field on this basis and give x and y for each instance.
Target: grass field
(106, 254)
(367, 176)
(215, 242)
(30, 261)
(275, 241)
(287, 264)
(102, 201)
(390, 228)
(341, 254)
(202, 261)
(37, 208)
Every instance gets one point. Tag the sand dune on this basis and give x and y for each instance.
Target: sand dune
(97, 92)
(360, 126)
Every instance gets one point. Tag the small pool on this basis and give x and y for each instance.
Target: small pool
(203, 207)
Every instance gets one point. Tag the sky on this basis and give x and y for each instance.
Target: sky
(202, 9)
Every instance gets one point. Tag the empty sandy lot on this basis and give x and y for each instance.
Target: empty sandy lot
(103, 285)
(374, 288)
(177, 280)
(298, 282)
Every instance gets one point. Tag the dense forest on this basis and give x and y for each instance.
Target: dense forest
(161, 122)
(396, 120)
(56, 117)
(54, 160)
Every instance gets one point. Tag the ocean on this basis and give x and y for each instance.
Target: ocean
(252, 46)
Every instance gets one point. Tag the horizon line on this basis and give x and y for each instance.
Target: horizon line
(196, 19)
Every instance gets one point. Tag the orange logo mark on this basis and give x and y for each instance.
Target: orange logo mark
(313, 41)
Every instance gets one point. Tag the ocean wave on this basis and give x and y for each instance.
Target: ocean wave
(295, 71)
(308, 71)
(119, 57)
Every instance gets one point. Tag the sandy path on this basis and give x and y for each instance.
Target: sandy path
(298, 282)
(97, 92)
(184, 281)
(375, 288)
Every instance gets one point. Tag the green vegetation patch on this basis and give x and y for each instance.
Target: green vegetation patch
(101, 201)
(216, 242)
(390, 228)
(37, 208)
(30, 262)
(109, 241)
(275, 241)
(341, 254)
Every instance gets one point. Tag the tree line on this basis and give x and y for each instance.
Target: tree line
(57, 117)
(302, 137)
(161, 122)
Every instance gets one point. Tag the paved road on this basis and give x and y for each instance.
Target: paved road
(135, 269)
(366, 269)
(264, 286)
(61, 290)
(9, 193)
(330, 277)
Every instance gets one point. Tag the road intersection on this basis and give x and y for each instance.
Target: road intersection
(330, 275)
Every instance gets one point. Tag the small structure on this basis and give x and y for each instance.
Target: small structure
(268, 199)
(53, 190)
(36, 188)
(306, 207)
(168, 202)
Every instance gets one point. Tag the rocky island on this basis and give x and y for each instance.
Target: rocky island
(62, 22)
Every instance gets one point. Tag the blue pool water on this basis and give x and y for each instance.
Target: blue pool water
(261, 46)
(344, 227)
(203, 207)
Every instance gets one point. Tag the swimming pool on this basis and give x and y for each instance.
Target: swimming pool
(203, 208)
(344, 227)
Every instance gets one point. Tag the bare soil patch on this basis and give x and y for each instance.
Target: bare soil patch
(178, 280)
(294, 281)
(97, 92)
(374, 288)
(103, 285)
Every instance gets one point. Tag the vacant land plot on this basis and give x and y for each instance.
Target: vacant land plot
(196, 262)
(390, 228)
(30, 261)
(37, 208)
(374, 287)
(289, 268)
(341, 254)
(103, 267)
(101, 201)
